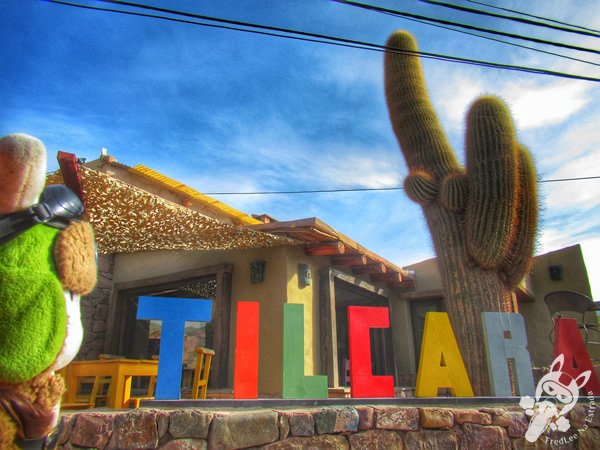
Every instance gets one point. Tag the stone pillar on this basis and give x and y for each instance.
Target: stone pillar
(94, 311)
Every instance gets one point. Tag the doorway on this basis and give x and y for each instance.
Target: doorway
(140, 339)
(338, 291)
(382, 360)
(418, 309)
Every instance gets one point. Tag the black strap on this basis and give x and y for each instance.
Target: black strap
(13, 224)
(58, 206)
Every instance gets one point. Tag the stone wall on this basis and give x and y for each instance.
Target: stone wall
(94, 311)
(331, 427)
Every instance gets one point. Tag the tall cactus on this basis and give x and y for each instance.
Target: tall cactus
(482, 218)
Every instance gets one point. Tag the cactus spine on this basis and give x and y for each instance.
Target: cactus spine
(483, 219)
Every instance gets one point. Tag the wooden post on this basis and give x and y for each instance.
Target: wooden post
(327, 328)
(222, 314)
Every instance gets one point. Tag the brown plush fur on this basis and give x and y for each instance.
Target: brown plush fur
(29, 410)
(8, 431)
(75, 258)
(22, 171)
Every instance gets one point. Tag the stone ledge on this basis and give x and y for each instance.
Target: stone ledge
(326, 427)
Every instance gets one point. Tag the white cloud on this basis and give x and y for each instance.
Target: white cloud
(452, 95)
(533, 104)
(349, 69)
(575, 140)
(574, 195)
(361, 169)
(591, 255)
(536, 106)
(216, 182)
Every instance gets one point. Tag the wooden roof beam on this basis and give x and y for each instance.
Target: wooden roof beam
(349, 260)
(388, 277)
(325, 249)
(369, 269)
(406, 283)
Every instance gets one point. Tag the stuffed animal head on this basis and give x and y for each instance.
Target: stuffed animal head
(45, 258)
(22, 171)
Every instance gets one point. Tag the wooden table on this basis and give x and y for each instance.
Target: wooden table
(121, 371)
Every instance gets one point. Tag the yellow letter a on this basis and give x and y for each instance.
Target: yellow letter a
(440, 363)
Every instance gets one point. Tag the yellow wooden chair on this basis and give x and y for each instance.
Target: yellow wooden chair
(135, 401)
(100, 387)
(85, 401)
(201, 373)
(200, 384)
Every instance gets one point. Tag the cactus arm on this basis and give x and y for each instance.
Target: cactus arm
(517, 262)
(421, 187)
(415, 123)
(493, 176)
(454, 191)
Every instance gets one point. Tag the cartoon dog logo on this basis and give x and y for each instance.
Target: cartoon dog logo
(550, 393)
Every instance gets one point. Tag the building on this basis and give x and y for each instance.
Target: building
(560, 270)
(157, 236)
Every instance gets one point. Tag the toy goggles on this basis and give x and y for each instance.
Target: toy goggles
(58, 206)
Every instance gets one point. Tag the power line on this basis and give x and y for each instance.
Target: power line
(512, 18)
(209, 25)
(462, 25)
(306, 191)
(514, 44)
(314, 37)
(534, 16)
(558, 180)
(398, 188)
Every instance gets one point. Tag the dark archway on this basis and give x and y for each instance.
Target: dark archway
(128, 337)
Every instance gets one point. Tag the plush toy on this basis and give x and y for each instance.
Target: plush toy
(47, 260)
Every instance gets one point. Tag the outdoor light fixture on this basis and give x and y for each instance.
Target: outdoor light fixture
(555, 272)
(257, 271)
(304, 276)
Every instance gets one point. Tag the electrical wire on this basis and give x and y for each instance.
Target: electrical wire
(514, 44)
(398, 188)
(534, 16)
(462, 25)
(208, 25)
(314, 37)
(512, 18)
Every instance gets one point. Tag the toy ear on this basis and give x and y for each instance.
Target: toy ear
(558, 361)
(22, 171)
(583, 378)
(75, 255)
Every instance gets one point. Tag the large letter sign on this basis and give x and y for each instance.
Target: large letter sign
(245, 378)
(568, 342)
(173, 312)
(295, 383)
(441, 364)
(363, 384)
(505, 339)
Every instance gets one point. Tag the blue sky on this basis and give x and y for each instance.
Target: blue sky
(226, 111)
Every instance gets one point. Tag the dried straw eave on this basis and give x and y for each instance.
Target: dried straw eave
(128, 219)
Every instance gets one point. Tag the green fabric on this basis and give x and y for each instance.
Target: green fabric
(32, 305)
